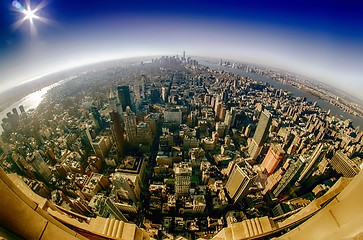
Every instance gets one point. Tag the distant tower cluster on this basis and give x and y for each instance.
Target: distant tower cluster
(12, 119)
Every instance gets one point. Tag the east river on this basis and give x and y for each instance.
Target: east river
(334, 110)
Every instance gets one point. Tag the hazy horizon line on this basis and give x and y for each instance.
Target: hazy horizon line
(112, 59)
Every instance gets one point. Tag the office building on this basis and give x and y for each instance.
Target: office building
(124, 96)
(241, 178)
(40, 166)
(230, 118)
(130, 125)
(101, 146)
(260, 134)
(118, 130)
(312, 162)
(273, 157)
(21, 108)
(290, 176)
(343, 165)
(183, 174)
(173, 116)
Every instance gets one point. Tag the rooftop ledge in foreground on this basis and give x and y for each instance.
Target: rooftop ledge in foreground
(25, 215)
(336, 215)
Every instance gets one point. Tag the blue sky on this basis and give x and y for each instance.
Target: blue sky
(319, 39)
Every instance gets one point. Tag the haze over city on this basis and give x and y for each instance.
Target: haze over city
(321, 40)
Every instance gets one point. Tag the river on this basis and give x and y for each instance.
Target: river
(334, 110)
(32, 100)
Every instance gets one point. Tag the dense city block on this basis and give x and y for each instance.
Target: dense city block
(179, 149)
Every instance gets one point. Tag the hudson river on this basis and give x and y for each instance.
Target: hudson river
(30, 101)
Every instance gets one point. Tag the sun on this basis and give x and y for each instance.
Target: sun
(29, 14)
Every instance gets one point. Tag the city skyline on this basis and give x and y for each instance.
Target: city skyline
(321, 40)
(171, 148)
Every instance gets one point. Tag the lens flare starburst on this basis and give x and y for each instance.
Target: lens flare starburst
(29, 14)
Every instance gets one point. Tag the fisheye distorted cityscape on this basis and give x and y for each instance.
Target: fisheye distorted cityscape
(182, 120)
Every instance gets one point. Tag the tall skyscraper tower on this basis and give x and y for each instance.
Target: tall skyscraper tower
(260, 134)
(22, 110)
(118, 130)
(230, 118)
(124, 96)
(143, 85)
(240, 180)
(312, 162)
(343, 165)
(290, 176)
(130, 125)
(164, 94)
(98, 120)
(112, 101)
(273, 158)
(137, 95)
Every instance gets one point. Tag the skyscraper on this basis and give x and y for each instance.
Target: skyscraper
(124, 96)
(118, 130)
(290, 176)
(273, 158)
(22, 110)
(260, 134)
(15, 111)
(40, 166)
(343, 165)
(97, 119)
(112, 101)
(164, 94)
(313, 161)
(230, 118)
(240, 179)
(137, 95)
(130, 125)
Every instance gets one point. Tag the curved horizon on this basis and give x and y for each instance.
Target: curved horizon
(310, 39)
